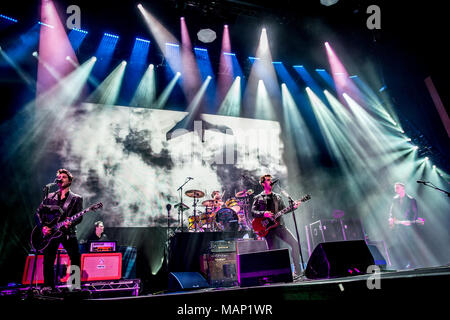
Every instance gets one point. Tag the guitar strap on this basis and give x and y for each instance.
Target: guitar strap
(275, 202)
(68, 201)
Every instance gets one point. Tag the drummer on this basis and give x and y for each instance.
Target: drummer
(218, 202)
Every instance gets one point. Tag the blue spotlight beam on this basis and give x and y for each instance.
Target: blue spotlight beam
(205, 67)
(105, 53)
(76, 37)
(136, 67)
(327, 78)
(308, 79)
(173, 58)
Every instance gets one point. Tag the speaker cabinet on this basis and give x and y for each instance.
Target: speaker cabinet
(101, 266)
(64, 266)
(259, 268)
(339, 259)
(222, 269)
(179, 281)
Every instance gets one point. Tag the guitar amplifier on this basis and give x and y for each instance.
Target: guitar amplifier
(222, 246)
(64, 266)
(102, 246)
(222, 270)
(101, 266)
(251, 245)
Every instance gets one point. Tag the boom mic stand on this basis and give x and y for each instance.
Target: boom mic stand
(431, 185)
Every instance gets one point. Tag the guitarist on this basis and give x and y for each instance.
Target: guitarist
(265, 205)
(62, 203)
(403, 217)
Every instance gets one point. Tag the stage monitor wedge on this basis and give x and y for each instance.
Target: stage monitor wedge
(339, 259)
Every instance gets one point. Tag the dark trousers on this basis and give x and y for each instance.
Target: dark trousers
(284, 234)
(71, 246)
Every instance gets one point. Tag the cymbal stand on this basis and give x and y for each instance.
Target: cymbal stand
(195, 214)
(180, 208)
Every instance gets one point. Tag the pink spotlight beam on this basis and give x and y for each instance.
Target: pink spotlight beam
(54, 48)
(225, 76)
(191, 73)
(341, 78)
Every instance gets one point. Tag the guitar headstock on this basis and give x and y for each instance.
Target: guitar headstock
(305, 198)
(96, 206)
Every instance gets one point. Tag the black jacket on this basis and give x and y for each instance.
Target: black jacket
(260, 205)
(51, 208)
(404, 210)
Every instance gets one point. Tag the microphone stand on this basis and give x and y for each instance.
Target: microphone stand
(180, 207)
(36, 252)
(166, 249)
(429, 184)
(291, 205)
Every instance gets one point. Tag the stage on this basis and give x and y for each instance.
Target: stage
(419, 288)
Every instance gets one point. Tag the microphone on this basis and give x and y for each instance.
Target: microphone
(190, 178)
(421, 181)
(168, 206)
(274, 181)
(53, 183)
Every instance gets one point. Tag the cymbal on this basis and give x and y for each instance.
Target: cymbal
(208, 203)
(183, 206)
(195, 193)
(244, 193)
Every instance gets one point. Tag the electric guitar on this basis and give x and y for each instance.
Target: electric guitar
(39, 241)
(262, 225)
(394, 221)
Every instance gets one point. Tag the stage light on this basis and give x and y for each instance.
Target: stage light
(206, 35)
(45, 24)
(434, 167)
(34, 54)
(79, 30)
(328, 3)
(426, 158)
(8, 18)
(111, 35)
(142, 40)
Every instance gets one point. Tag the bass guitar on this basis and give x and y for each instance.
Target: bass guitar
(262, 225)
(39, 241)
(394, 221)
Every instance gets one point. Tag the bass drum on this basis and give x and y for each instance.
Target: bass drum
(227, 219)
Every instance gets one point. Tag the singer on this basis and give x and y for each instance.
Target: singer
(62, 203)
(268, 203)
(404, 221)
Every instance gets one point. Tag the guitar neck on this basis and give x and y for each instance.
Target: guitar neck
(71, 218)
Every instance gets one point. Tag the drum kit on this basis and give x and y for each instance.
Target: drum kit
(218, 215)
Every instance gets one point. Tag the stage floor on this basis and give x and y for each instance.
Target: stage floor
(407, 291)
